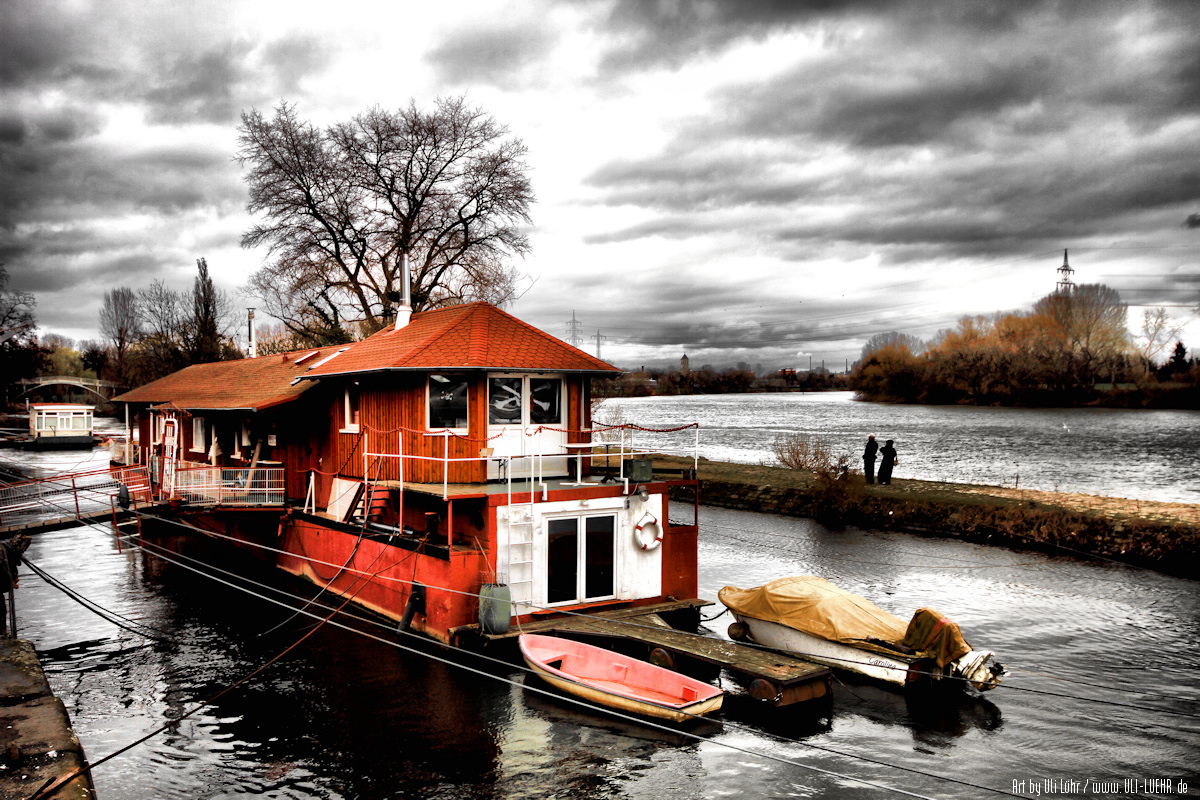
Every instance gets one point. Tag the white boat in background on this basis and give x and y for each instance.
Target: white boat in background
(58, 426)
(814, 619)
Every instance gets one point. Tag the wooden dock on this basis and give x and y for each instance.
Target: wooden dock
(772, 676)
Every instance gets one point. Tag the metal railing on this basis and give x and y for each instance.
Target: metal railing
(630, 441)
(72, 495)
(242, 486)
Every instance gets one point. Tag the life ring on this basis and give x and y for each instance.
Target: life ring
(653, 527)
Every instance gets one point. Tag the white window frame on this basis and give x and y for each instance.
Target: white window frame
(581, 556)
(347, 425)
(526, 379)
(198, 435)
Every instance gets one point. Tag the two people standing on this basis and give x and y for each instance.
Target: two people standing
(887, 454)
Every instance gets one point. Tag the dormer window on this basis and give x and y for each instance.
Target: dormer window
(350, 412)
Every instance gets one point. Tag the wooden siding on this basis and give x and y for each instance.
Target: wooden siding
(392, 411)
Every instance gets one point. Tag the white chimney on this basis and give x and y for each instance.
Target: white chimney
(404, 312)
(253, 351)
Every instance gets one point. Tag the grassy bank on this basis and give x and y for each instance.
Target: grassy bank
(1161, 536)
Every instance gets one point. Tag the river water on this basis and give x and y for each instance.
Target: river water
(1140, 454)
(1104, 683)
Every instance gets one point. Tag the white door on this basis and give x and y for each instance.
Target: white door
(527, 417)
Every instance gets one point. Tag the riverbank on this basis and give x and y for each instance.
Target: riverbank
(37, 745)
(1157, 535)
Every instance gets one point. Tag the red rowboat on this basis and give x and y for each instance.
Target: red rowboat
(618, 681)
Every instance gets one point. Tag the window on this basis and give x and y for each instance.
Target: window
(509, 396)
(198, 444)
(447, 401)
(545, 401)
(350, 409)
(245, 434)
(580, 559)
(504, 401)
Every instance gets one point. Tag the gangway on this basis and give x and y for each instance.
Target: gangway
(73, 498)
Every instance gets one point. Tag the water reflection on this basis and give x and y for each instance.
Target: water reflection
(343, 716)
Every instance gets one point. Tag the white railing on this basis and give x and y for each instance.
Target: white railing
(631, 440)
(243, 486)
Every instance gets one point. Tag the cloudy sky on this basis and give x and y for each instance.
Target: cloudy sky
(768, 182)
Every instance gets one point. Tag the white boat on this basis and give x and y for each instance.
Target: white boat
(812, 618)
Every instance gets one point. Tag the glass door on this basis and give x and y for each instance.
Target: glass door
(580, 559)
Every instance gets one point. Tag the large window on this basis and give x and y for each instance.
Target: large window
(580, 558)
(447, 401)
(525, 400)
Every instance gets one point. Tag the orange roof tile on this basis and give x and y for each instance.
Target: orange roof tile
(469, 336)
(248, 383)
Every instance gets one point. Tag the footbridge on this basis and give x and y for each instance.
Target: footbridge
(102, 389)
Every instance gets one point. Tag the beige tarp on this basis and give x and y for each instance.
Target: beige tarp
(816, 606)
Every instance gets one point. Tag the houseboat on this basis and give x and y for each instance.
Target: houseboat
(60, 426)
(441, 472)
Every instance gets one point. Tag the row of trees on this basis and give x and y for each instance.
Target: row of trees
(147, 334)
(157, 330)
(1070, 344)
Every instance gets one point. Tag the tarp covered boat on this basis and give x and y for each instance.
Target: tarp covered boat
(815, 619)
(618, 681)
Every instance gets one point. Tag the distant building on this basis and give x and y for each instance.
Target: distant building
(684, 369)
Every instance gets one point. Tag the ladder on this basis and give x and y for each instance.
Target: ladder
(521, 530)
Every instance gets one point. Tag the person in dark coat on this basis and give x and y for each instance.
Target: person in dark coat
(869, 458)
(887, 455)
(11, 552)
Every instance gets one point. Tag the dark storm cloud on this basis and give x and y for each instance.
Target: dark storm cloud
(294, 58)
(1032, 123)
(196, 87)
(670, 33)
(493, 55)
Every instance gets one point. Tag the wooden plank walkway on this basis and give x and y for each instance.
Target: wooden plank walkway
(777, 677)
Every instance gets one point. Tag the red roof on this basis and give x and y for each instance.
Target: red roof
(248, 383)
(470, 336)
(474, 336)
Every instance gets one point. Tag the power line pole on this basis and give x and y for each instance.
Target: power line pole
(574, 331)
(1065, 285)
(599, 338)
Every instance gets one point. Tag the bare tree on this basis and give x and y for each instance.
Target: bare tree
(120, 324)
(159, 350)
(1158, 331)
(447, 189)
(16, 308)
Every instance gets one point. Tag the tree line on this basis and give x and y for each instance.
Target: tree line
(1073, 347)
(148, 333)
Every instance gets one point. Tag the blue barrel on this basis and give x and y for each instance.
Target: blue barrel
(495, 608)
